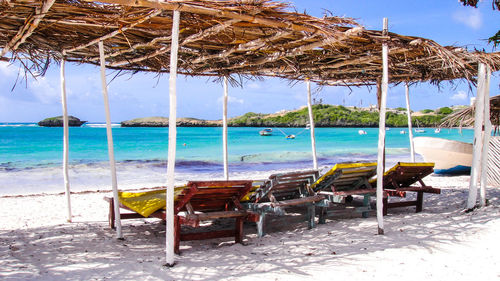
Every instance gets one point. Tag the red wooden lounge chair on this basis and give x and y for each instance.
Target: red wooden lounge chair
(201, 201)
(401, 179)
(284, 190)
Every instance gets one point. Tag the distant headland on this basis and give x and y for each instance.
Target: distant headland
(58, 122)
(324, 116)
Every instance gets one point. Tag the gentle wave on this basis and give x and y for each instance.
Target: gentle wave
(18, 125)
(99, 125)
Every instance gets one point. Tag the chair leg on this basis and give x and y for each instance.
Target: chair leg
(177, 234)
(238, 235)
(260, 225)
(366, 204)
(322, 215)
(420, 201)
(111, 215)
(311, 215)
(385, 205)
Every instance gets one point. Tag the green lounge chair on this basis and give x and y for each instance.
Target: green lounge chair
(281, 191)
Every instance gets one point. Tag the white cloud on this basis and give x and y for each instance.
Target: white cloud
(460, 96)
(8, 70)
(254, 86)
(231, 100)
(469, 17)
(45, 90)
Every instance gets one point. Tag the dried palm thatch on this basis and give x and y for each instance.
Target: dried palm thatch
(465, 117)
(220, 38)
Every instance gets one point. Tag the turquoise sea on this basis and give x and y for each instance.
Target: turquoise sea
(31, 156)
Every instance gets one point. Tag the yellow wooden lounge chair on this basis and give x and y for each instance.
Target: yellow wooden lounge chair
(344, 180)
(402, 178)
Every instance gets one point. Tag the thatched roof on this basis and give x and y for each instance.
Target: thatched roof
(465, 117)
(220, 38)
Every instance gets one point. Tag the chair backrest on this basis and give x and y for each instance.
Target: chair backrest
(346, 176)
(212, 195)
(287, 185)
(405, 174)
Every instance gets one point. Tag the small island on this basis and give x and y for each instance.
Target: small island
(58, 122)
(163, 122)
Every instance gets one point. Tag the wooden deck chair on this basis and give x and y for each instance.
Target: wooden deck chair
(344, 180)
(281, 191)
(197, 201)
(401, 178)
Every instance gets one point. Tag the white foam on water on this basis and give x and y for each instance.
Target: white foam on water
(99, 125)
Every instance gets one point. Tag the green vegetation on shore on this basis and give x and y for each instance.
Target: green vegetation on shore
(339, 116)
(324, 116)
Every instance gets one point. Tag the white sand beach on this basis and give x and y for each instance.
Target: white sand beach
(440, 243)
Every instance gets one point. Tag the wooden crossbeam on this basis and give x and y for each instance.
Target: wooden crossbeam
(198, 36)
(152, 14)
(28, 28)
(181, 7)
(251, 45)
(356, 31)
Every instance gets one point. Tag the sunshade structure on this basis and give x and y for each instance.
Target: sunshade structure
(465, 117)
(249, 38)
(254, 38)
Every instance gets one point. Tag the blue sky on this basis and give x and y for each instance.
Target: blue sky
(446, 22)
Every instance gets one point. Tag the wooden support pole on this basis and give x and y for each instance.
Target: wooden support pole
(65, 140)
(172, 141)
(381, 133)
(478, 140)
(111, 152)
(486, 140)
(224, 130)
(410, 130)
(311, 125)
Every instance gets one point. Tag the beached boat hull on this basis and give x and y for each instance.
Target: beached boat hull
(450, 157)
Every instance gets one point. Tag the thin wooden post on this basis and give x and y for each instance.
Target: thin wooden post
(486, 140)
(381, 133)
(172, 141)
(311, 124)
(111, 152)
(410, 132)
(478, 140)
(65, 140)
(224, 130)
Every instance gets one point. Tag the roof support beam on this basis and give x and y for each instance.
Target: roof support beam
(302, 49)
(209, 11)
(248, 46)
(28, 28)
(152, 14)
(192, 38)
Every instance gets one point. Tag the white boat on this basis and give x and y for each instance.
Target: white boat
(418, 130)
(266, 132)
(402, 132)
(437, 130)
(449, 156)
(362, 132)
